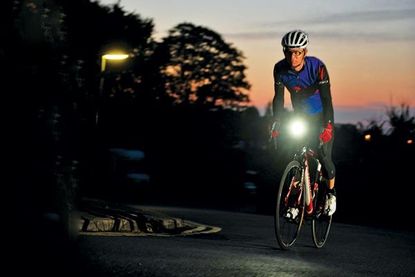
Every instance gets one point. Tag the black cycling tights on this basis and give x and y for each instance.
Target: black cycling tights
(325, 156)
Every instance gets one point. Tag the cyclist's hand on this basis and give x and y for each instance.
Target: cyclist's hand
(275, 130)
(274, 133)
(327, 134)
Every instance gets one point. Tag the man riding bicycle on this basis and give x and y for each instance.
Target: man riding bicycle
(307, 80)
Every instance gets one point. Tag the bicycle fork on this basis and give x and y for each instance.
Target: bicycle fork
(307, 193)
(294, 184)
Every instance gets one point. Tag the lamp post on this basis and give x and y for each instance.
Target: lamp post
(112, 56)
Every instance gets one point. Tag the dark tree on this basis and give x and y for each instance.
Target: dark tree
(203, 69)
(50, 66)
(372, 132)
(93, 29)
(402, 123)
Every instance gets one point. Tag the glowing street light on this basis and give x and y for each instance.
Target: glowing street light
(115, 56)
(112, 57)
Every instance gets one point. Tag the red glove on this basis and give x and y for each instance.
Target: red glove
(327, 133)
(275, 132)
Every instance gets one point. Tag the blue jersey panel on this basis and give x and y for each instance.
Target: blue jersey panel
(303, 85)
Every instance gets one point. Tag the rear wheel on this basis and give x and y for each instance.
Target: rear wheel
(289, 211)
(321, 223)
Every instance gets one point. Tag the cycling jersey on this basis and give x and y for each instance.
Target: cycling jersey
(309, 89)
(310, 95)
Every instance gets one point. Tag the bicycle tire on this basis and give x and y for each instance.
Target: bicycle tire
(321, 223)
(287, 230)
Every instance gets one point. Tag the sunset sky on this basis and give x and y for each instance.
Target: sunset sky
(367, 45)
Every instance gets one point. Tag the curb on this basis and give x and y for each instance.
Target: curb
(97, 217)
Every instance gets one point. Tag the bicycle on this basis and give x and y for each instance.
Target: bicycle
(301, 196)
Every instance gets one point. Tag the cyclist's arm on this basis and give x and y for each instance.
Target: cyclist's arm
(325, 93)
(278, 100)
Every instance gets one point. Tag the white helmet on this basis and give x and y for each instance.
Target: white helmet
(295, 39)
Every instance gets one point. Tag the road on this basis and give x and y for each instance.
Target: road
(246, 246)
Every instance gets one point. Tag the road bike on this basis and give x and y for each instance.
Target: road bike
(301, 196)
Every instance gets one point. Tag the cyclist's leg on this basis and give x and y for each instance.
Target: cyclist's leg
(329, 169)
(329, 173)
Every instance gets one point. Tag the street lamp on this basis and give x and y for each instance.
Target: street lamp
(112, 56)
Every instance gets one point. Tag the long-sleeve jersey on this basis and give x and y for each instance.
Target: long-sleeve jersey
(309, 89)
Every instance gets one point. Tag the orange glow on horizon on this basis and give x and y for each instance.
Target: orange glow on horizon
(369, 56)
(360, 77)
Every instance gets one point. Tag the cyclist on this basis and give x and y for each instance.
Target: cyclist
(307, 80)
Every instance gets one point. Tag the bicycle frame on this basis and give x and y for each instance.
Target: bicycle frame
(303, 157)
(300, 196)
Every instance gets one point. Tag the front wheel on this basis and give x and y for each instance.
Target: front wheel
(321, 223)
(289, 211)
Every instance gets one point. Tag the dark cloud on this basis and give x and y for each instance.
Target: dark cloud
(339, 34)
(360, 25)
(367, 35)
(380, 16)
(254, 35)
(365, 17)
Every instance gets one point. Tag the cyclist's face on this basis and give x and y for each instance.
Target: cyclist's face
(295, 56)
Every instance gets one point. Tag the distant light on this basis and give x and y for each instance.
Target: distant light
(409, 141)
(368, 137)
(118, 56)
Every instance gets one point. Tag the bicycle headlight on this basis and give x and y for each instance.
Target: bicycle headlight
(297, 128)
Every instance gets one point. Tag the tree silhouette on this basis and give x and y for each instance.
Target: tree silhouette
(50, 63)
(402, 123)
(93, 29)
(374, 129)
(203, 69)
